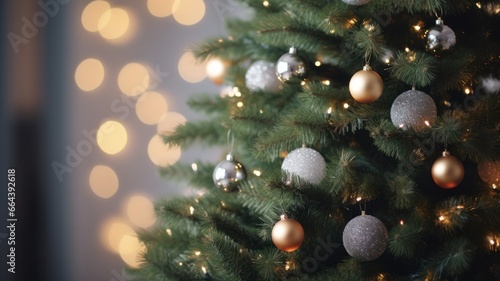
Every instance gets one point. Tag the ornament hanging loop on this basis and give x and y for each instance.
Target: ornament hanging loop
(230, 141)
(368, 57)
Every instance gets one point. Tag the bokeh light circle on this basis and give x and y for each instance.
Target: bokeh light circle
(112, 137)
(89, 74)
(151, 108)
(162, 154)
(103, 181)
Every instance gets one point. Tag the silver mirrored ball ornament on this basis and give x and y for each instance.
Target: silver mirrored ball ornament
(440, 37)
(228, 173)
(291, 68)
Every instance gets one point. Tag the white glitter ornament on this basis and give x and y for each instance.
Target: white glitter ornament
(413, 109)
(261, 76)
(365, 237)
(356, 2)
(306, 163)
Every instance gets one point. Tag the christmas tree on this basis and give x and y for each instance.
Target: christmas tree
(362, 145)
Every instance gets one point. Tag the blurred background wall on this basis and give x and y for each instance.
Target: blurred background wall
(87, 86)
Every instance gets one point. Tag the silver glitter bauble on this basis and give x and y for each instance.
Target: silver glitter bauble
(365, 238)
(413, 109)
(489, 172)
(356, 2)
(306, 163)
(228, 173)
(291, 68)
(261, 76)
(440, 37)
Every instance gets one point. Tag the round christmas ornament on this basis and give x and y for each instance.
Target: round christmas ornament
(306, 163)
(228, 173)
(365, 237)
(440, 37)
(413, 109)
(366, 85)
(447, 171)
(356, 2)
(291, 68)
(261, 76)
(489, 172)
(287, 234)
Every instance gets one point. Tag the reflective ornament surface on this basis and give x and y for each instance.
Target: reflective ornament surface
(291, 68)
(440, 37)
(228, 173)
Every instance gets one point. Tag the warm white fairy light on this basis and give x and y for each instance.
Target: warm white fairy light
(359, 199)
(257, 173)
(194, 166)
(191, 210)
(169, 232)
(265, 3)
(346, 105)
(239, 104)
(223, 203)
(180, 263)
(204, 269)
(478, 5)
(467, 91)
(197, 253)
(417, 27)
(330, 110)
(441, 218)
(261, 111)
(317, 63)
(326, 82)
(401, 222)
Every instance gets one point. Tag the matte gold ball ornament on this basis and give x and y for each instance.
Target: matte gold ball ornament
(366, 86)
(287, 234)
(447, 171)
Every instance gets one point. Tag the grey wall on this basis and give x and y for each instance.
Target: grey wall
(63, 218)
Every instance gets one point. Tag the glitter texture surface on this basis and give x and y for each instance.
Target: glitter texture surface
(365, 238)
(413, 109)
(489, 172)
(306, 163)
(261, 76)
(356, 2)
